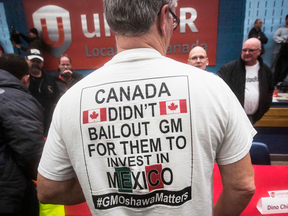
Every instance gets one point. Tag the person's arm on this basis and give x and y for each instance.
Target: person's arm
(224, 72)
(77, 76)
(220, 72)
(25, 49)
(277, 36)
(263, 38)
(23, 132)
(26, 38)
(252, 33)
(67, 192)
(238, 187)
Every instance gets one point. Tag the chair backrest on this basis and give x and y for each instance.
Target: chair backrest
(259, 153)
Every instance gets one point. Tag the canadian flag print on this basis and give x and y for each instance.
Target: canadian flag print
(173, 107)
(94, 115)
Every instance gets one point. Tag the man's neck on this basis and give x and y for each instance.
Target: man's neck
(251, 63)
(150, 40)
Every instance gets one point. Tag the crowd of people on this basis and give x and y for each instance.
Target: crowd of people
(94, 151)
(251, 80)
(28, 97)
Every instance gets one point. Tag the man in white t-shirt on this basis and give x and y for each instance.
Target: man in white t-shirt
(137, 137)
(250, 80)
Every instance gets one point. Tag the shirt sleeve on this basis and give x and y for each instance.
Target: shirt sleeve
(276, 36)
(55, 163)
(239, 133)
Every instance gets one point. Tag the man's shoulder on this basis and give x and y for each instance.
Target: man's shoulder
(234, 63)
(253, 30)
(47, 76)
(56, 73)
(76, 75)
(265, 66)
(266, 69)
(21, 100)
(281, 28)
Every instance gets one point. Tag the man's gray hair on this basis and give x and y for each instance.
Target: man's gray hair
(133, 17)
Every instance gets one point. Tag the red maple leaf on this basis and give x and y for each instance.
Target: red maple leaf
(94, 115)
(173, 106)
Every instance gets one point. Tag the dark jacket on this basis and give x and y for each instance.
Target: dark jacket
(260, 35)
(234, 74)
(21, 144)
(45, 90)
(34, 43)
(281, 65)
(64, 85)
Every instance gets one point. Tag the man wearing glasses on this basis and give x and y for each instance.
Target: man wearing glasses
(140, 139)
(250, 80)
(198, 58)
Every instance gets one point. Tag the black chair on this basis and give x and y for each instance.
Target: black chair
(259, 153)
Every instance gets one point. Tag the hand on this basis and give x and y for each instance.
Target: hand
(17, 32)
(67, 72)
(17, 46)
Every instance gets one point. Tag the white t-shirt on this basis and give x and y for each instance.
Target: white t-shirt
(251, 101)
(142, 134)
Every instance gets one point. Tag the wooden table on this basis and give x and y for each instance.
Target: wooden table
(275, 117)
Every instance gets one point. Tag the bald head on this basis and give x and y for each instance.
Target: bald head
(250, 51)
(253, 41)
(198, 57)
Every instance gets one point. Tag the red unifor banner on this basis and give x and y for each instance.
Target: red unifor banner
(79, 29)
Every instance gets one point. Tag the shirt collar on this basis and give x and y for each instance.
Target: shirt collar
(134, 55)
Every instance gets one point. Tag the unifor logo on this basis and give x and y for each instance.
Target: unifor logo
(53, 23)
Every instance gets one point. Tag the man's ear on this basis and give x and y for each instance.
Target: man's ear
(207, 63)
(25, 80)
(163, 21)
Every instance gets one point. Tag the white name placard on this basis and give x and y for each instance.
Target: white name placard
(268, 205)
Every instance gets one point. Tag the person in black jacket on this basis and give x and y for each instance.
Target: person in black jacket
(257, 33)
(42, 86)
(250, 80)
(33, 40)
(21, 139)
(65, 76)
